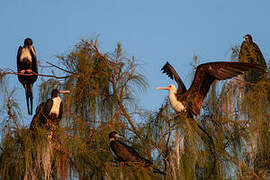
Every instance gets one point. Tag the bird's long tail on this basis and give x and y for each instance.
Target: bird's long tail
(29, 96)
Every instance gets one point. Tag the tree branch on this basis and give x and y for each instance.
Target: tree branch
(59, 68)
(129, 119)
(44, 75)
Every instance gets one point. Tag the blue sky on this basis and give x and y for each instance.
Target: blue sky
(153, 31)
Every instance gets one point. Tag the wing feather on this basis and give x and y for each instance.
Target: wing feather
(19, 52)
(170, 71)
(207, 73)
(60, 111)
(48, 107)
(126, 153)
(34, 60)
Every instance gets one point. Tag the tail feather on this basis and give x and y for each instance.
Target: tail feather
(28, 95)
(27, 101)
(31, 99)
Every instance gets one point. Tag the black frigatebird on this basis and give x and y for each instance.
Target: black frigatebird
(191, 100)
(27, 64)
(124, 153)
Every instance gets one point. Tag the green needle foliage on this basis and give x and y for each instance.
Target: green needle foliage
(230, 140)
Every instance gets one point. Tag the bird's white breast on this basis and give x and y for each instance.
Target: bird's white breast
(26, 54)
(56, 105)
(176, 105)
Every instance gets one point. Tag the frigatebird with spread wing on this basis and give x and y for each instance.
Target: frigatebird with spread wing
(191, 100)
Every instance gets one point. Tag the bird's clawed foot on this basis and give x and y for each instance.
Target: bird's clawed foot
(22, 71)
(29, 71)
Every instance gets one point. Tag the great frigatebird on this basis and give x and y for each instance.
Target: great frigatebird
(191, 100)
(53, 108)
(51, 111)
(124, 153)
(27, 64)
(251, 53)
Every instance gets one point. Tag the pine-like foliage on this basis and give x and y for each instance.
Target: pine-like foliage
(230, 140)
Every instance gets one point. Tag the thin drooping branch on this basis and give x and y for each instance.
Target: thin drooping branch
(135, 130)
(59, 68)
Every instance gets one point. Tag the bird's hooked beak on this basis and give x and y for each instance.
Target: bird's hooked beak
(119, 136)
(163, 88)
(64, 92)
(122, 138)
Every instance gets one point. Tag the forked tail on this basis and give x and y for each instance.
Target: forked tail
(29, 95)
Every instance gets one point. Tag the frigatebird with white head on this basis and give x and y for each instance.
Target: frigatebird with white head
(124, 153)
(191, 100)
(51, 110)
(27, 64)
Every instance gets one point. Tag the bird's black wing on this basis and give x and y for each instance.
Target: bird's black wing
(250, 52)
(208, 72)
(34, 60)
(19, 52)
(260, 58)
(60, 111)
(47, 108)
(114, 147)
(38, 119)
(127, 153)
(170, 71)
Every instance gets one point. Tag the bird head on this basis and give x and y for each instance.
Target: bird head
(248, 38)
(28, 42)
(56, 93)
(113, 135)
(171, 88)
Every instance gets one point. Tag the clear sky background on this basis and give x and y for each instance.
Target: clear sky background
(153, 31)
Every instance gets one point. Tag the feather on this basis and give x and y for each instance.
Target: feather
(192, 99)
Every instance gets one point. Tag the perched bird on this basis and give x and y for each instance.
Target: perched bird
(53, 108)
(27, 64)
(251, 53)
(124, 153)
(191, 100)
(49, 112)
